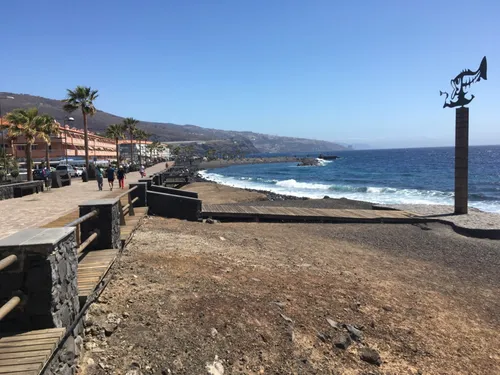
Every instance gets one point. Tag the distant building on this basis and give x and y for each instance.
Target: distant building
(67, 143)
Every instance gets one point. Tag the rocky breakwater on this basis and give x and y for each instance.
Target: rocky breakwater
(309, 162)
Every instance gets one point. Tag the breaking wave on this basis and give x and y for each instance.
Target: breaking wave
(383, 195)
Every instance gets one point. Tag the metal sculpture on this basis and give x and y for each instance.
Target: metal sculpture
(461, 84)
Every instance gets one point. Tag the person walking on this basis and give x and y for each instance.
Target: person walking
(121, 177)
(111, 177)
(142, 170)
(100, 177)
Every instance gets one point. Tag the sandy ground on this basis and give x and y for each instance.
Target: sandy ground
(271, 298)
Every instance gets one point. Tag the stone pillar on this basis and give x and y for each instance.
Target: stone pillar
(148, 181)
(107, 223)
(44, 276)
(461, 160)
(140, 192)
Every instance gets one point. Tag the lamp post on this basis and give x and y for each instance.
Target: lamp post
(1, 126)
(66, 119)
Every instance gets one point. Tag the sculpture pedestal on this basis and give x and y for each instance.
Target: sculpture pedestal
(461, 160)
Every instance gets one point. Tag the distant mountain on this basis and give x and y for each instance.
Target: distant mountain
(246, 141)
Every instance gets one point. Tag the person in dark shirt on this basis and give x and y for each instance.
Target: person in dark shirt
(121, 177)
(111, 177)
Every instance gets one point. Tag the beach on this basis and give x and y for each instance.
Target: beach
(285, 298)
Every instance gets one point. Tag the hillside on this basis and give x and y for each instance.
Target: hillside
(174, 132)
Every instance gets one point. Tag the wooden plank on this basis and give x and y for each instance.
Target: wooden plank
(23, 361)
(17, 338)
(27, 348)
(36, 332)
(20, 368)
(25, 354)
(13, 344)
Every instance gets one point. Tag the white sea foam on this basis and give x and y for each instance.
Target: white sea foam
(381, 195)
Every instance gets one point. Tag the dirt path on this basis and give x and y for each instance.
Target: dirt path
(254, 298)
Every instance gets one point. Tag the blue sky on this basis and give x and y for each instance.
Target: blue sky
(348, 71)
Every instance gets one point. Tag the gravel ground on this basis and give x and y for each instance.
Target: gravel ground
(271, 298)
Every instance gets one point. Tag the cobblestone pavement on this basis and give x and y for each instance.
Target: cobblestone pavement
(38, 209)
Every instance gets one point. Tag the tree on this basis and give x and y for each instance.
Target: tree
(130, 125)
(50, 128)
(82, 98)
(176, 151)
(30, 124)
(141, 135)
(116, 132)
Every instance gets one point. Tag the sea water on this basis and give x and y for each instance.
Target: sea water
(398, 176)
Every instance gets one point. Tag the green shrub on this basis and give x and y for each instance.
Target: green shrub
(14, 173)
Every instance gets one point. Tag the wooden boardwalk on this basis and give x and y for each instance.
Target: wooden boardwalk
(92, 268)
(242, 212)
(27, 353)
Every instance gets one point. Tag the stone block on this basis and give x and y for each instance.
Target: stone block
(44, 276)
(106, 223)
(168, 190)
(174, 206)
(148, 181)
(140, 192)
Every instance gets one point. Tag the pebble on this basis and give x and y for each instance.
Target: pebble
(333, 323)
(342, 341)
(356, 334)
(371, 356)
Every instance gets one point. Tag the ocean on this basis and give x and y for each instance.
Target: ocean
(397, 176)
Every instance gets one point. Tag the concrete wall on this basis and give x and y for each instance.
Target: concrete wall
(167, 190)
(174, 206)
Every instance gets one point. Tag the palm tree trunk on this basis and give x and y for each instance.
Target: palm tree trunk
(86, 140)
(140, 153)
(131, 147)
(47, 156)
(28, 162)
(117, 152)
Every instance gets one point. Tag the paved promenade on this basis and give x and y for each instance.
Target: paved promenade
(38, 209)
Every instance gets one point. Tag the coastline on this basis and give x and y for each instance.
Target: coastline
(476, 223)
(213, 164)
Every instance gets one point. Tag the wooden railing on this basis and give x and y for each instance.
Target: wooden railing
(14, 301)
(76, 223)
(127, 209)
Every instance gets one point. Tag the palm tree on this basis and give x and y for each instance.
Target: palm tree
(141, 135)
(82, 97)
(116, 132)
(130, 125)
(51, 127)
(30, 124)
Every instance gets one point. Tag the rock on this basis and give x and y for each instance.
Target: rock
(125, 314)
(222, 238)
(215, 368)
(333, 323)
(355, 333)
(213, 332)
(102, 365)
(90, 362)
(387, 308)
(110, 328)
(371, 356)
(342, 341)
(134, 371)
(210, 221)
(326, 197)
(89, 345)
(289, 320)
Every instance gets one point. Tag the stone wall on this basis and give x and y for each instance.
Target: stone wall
(107, 223)
(65, 360)
(7, 191)
(45, 276)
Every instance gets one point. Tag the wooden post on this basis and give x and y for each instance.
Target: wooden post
(461, 160)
